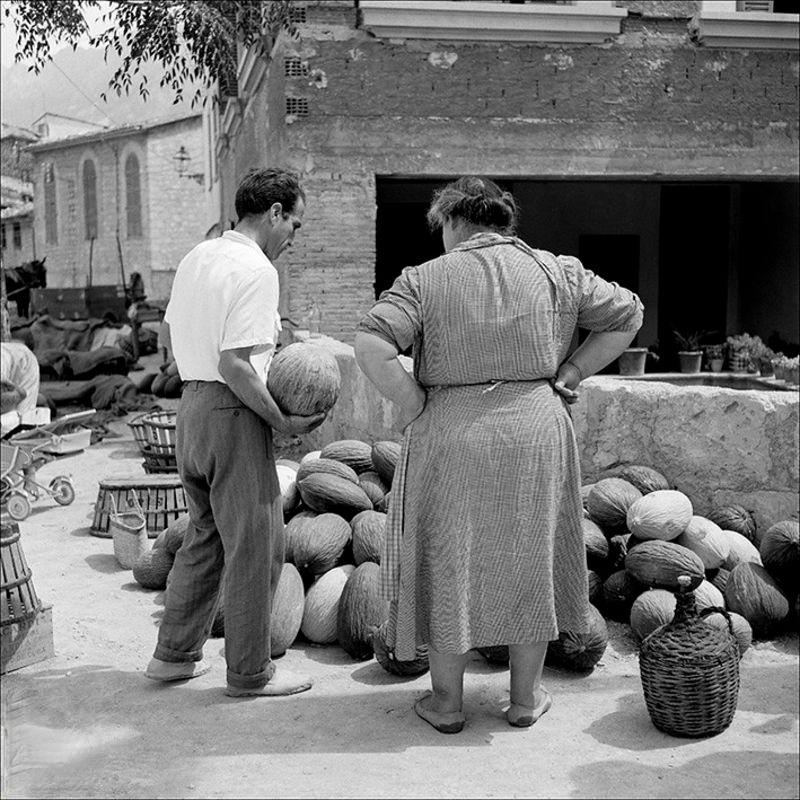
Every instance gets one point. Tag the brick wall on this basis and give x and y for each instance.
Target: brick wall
(648, 103)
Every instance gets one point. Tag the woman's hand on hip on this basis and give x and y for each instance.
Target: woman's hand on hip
(567, 381)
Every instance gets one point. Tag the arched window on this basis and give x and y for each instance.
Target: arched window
(50, 210)
(133, 196)
(90, 198)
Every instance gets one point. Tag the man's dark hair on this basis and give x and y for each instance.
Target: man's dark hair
(262, 187)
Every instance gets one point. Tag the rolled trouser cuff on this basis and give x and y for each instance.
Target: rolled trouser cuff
(176, 656)
(238, 681)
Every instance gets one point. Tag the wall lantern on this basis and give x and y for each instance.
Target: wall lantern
(183, 162)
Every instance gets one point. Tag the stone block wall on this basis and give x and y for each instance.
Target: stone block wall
(718, 446)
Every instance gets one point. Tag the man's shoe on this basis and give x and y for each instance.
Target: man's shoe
(282, 683)
(158, 670)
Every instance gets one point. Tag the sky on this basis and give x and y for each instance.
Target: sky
(8, 38)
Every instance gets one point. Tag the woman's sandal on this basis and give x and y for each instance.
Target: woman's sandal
(444, 723)
(524, 716)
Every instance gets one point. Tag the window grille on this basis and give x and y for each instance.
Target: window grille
(295, 68)
(133, 196)
(297, 106)
(297, 14)
(90, 198)
(50, 207)
(16, 232)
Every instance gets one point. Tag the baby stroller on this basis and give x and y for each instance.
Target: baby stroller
(20, 458)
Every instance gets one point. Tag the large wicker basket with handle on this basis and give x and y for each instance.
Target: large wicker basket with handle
(690, 672)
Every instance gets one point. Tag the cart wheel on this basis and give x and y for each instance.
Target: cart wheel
(63, 492)
(18, 506)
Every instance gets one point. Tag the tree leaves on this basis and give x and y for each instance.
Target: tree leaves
(195, 41)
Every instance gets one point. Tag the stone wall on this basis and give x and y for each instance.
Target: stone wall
(716, 445)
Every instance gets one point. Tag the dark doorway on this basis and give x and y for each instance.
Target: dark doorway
(694, 261)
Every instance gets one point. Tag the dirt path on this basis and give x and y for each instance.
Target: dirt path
(87, 723)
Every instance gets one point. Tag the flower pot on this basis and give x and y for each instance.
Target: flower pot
(631, 362)
(690, 361)
(716, 364)
(738, 362)
(765, 367)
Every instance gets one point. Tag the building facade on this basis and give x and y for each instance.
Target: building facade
(16, 196)
(657, 141)
(121, 200)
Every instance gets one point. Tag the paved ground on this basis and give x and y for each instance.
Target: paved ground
(87, 724)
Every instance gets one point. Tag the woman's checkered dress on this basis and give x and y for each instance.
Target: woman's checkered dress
(484, 544)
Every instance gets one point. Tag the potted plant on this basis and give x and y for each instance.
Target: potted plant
(779, 365)
(715, 356)
(762, 356)
(632, 360)
(689, 352)
(793, 371)
(742, 352)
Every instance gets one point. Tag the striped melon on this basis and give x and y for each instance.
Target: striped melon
(304, 379)
(319, 543)
(327, 466)
(609, 501)
(369, 534)
(361, 610)
(353, 452)
(704, 537)
(322, 492)
(658, 564)
(287, 610)
(373, 486)
(385, 456)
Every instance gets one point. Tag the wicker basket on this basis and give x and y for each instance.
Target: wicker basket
(160, 428)
(19, 602)
(139, 430)
(738, 362)
(129, 532)
(156, 461)
(690, 672)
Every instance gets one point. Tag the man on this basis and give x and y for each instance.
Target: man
(19, 384)
(223, 323)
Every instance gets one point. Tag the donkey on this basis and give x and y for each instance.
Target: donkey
(20, 280)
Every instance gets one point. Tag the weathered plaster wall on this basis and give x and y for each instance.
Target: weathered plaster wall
(718, 446)
(648, 103)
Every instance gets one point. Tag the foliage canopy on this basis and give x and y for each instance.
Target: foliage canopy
(193, 40)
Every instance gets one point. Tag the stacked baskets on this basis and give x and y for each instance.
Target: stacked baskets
(155, 434)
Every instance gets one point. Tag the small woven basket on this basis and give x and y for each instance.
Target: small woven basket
(156, 461)
(690, 672)
(139, 430)
(738, 362)
(129, 532)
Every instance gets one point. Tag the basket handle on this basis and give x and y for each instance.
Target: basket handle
(136, 504)
(717, 609)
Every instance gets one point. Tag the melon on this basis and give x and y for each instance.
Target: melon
(287, 462)
(386, 658)
(330, 493)
(780, 553)
(369, 535)
(327, 466)
(495, 654)
(585, 491)
(311, 455)
(609, 501)
(619, 592)
(294, 531)
(385, 456)
(319, 543)
(734, 518)
(596, 545)
(752, 592)
(617, 551)
(152, 567)
(742, 631)
(322, 604)
(287, 610)
(706, 595)
(740, 548)
(373, 486)
(580, 651)
(353, 452)
(384, 504)
(704, 537)
(658, 565)
(645, 479)
(720, 579)
(361, 610)
(287, 479)
(595, 588)
(171, 538)
(662, 514)
(304, 379)
(651, 610)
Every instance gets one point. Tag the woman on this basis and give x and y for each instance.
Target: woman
(484, 540)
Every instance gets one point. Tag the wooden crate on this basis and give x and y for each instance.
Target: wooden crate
(161, 496)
